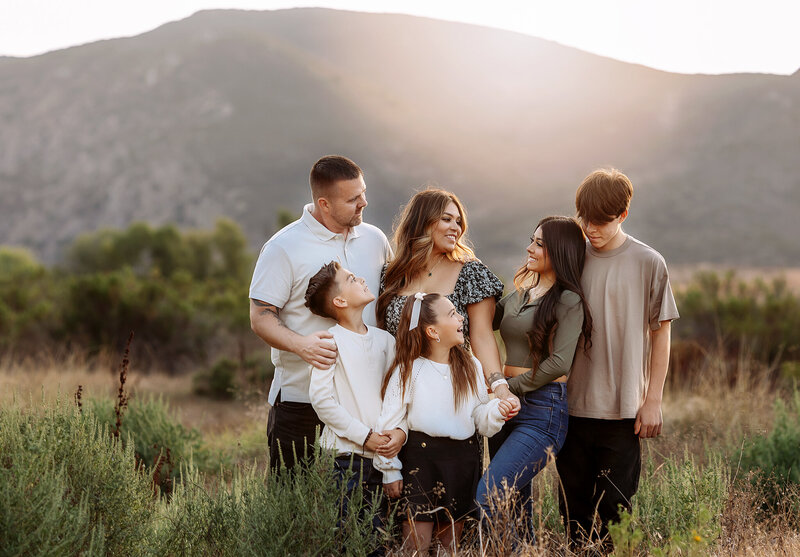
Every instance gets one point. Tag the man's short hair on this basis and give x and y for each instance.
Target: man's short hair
(603, 196)
(322, 289)
(331, 169)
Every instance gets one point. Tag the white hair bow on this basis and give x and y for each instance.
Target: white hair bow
(415, 310)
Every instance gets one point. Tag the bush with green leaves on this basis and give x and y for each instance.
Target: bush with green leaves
(28, 300)
(184, 294)
(159, 441)
(67, 487)
(219, 381)
(228, 379)
(774, 458)
(677, 509)
(759, 317)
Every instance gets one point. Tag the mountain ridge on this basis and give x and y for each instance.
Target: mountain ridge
(223, 113)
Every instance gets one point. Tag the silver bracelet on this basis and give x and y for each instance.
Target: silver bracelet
(497, 383)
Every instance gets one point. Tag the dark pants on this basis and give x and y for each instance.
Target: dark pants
(372, 499)
(292, 428)
(599, 467)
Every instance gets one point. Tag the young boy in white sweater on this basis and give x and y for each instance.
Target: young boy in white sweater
(347, 396)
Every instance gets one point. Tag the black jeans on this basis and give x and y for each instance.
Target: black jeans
(292, 428)
(599, 466)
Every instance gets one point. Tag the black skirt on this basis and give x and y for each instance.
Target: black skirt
(440, 476)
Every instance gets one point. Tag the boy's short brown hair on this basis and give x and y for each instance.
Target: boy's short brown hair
(322, 289)
(603, 196)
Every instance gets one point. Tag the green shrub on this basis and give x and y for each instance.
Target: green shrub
(227, 379)
(260, 371)
(775, 457)
(677, 509)
(199, 522)
(67, 488)
(157, 438)
(298, 514)
(184, 293)
(759, 317)
(219, 382)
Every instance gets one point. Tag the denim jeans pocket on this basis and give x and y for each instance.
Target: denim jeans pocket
(538, 415)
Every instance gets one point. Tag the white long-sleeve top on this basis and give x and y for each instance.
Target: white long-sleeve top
(427, 407)
(347, 396)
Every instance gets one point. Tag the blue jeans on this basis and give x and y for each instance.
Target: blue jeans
(520, 449)
(371, 481)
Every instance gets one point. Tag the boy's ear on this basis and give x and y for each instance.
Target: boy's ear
(339, 302)
(623, 216)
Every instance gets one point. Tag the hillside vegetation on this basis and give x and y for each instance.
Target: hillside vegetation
(184, 295)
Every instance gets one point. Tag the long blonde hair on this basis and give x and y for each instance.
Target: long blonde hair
(413, 243)
(413, 344)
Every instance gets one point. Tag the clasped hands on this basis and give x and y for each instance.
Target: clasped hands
(509, 403)
(387, 444)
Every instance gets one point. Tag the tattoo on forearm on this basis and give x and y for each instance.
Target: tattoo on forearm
(496, 376)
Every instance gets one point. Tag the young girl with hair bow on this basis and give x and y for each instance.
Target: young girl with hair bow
(434, 391)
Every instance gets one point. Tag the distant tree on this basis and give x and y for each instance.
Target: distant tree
(285, 216)
(184, 293)
(233, 260)
(27, 301)
(16, 261)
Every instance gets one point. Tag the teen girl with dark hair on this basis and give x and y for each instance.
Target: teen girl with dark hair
(541, 323)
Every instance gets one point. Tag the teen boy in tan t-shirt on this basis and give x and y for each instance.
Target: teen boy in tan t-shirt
(614, 390)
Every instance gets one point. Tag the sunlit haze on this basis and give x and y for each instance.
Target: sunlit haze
(686, 36)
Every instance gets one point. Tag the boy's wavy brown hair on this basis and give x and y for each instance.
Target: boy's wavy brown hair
(603, 196)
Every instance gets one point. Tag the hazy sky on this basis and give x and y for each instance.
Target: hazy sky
(690, 36)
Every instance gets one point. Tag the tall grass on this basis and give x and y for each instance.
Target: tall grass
(721, 480)
(68, 487)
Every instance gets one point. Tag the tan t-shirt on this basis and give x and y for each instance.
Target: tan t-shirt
(628, 293)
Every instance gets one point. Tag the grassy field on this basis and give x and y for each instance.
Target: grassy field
(696, 497)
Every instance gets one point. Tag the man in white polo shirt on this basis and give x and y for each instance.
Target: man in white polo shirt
(330, 228)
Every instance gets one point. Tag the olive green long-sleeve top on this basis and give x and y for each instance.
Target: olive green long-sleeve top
(514, 317)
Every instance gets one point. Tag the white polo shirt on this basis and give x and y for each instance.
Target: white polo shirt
(286, 263)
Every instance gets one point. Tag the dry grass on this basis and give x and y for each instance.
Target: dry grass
(35, 383)
(716, 404)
